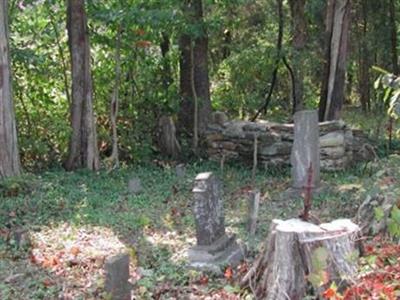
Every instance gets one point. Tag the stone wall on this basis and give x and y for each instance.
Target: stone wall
(339, 145)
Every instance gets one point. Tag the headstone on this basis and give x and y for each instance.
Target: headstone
(305, 156)
(135, 186)
(22, 238)
(253, 207)
(117, 285)
(214, 249)
(180, 170)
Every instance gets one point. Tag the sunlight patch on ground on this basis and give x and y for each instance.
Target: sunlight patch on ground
(350, 187)
(75, 256)
(176, 242)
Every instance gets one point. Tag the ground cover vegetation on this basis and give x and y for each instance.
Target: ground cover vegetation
(84, 87)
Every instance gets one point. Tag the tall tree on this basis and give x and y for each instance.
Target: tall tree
(337, 34)
(364, 59)
(393, 36)
(299, 28)
(9, 155)
(83, 151)
(194, 79)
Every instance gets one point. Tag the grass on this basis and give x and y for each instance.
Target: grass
(65, 210)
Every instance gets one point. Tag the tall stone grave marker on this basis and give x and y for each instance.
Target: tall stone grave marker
(305, 156)
(117, 276)
(214, 248)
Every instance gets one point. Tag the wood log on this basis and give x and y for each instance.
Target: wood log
(284, 268)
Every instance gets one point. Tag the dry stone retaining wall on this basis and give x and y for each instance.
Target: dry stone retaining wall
(339, 145)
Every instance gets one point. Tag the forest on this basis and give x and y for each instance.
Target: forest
(199, 149)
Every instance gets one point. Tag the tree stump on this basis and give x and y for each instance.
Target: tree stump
(286, 267)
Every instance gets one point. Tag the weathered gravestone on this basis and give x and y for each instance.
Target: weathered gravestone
(180, 170)
(253, 207)
(135, 186)
(215, 249)
(305, 156)
(117, 285)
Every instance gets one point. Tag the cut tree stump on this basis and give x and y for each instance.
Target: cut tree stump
(298, 251)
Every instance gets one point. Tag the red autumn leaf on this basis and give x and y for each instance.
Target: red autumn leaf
(51, 262)
(369, 249)
(329, 293)
(228, 273)
(143, 44)
(33, 259)
(74, 250)
(203, 280)
(47, 282)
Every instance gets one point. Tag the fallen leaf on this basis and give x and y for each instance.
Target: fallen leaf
(51, 262)
(329, 293)
(33, 259)
(228, 273)
(75, 250)
(47, 282)
(203, 280)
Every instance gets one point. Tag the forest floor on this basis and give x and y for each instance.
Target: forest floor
(76, 220)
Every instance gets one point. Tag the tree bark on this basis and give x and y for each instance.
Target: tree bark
(167, 72)
(393, 33)
(167, 141)
(299, 28)
(364, 60)
(9, 155)
(337, 34)
(194, 11)
(114, 158)
(297, 252)
(83, 151)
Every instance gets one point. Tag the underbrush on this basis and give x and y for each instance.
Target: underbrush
(75, 220)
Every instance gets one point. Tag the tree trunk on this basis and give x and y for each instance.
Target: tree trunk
(167, 141)
(83, 151)
(333, 85)
(9, 155)
(393, 32)
(194, 9)
(115, 101)
(297, 252)
(299, 27)
(167, 72)
(364, 60)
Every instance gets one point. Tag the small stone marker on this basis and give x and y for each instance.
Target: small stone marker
(253, 206)
(180, 170)
(135, 186)
(214, 248)
(305, 151)
(117, 276)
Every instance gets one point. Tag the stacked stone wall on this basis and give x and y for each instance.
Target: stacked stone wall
(339, 144)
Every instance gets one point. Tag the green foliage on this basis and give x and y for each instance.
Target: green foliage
(17, 186)
(319, 262)
(394, 223)
(391, 87)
